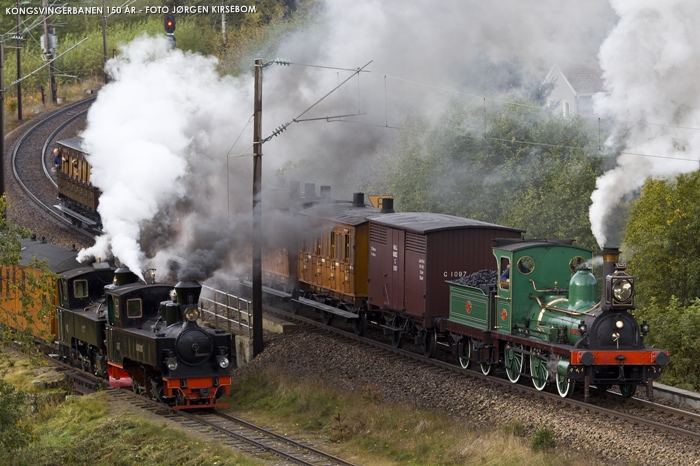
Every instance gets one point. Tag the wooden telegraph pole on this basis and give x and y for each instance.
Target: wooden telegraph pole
(257, 211)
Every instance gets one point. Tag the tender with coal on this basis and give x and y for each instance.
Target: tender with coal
(482, 277)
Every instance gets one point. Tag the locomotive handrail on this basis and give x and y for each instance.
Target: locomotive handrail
(548, 290)
(558, 309)
(240, 307)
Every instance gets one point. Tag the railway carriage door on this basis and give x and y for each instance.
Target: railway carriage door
(396, 295)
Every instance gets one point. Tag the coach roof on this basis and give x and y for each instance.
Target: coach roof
(59, 258)
(425, 222)
(341, 212)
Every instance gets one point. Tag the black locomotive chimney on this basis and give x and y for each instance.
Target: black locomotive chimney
(387, 206)
(188, 293)
(326, 193)
(309, 190)
(124, 276)
(294, 189)
(611, 256)
(358, 199)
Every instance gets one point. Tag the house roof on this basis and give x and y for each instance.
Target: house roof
(583, 78)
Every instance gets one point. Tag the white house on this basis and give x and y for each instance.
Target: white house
(575, 86)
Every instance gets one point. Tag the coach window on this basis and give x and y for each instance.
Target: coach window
(80, 288)
(133, 308)
(332, 240)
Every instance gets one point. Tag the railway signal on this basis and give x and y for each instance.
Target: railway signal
(169, 24)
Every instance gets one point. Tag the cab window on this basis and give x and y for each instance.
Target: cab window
(80, 288)
(133, 308)
(116, 307)
(504, 273)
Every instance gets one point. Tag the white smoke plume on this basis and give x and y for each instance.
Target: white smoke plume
(650, 70)
(158, 136)
(159, 133)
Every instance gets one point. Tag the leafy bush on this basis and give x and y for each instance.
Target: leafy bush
(15, 432)
(543, 440)
(515, 428)
(676, 327)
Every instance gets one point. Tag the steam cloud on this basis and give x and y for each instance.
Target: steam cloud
(650, 69)
(158, 136)
(159, 133)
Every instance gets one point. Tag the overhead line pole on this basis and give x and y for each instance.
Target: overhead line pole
(19, 67)
(257, 211)
(2, 115)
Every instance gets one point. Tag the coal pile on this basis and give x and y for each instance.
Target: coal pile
(482, 277)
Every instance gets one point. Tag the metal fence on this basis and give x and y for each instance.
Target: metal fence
(227, 311)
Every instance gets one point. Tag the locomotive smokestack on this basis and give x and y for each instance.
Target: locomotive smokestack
(188, 293)
(123, 276)
(611, 256)
(309, 190)
(358, 199)
(387, 206)
(294, 189)
(326, 193)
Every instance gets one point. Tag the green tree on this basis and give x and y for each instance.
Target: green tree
(661, 241)
(515, 164)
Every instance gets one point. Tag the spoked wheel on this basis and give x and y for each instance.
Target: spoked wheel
(538, 371)
(360, 324)
(157, 390)
(464, 352)
(430, 344)
(601, 387)
(486, 368)
(514, 362)
(565, 386)
(327, 317)
(628, 389)
(396, 339)
(396, 335)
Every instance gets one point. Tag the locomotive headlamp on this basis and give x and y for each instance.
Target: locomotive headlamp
(582, 327)
(644, 328)
(171, 363)
(619, 290)
(192, 314)
(622, 290)
(223, 361)
(619, 324)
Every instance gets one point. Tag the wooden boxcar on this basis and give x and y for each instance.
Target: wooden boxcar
(414, 254)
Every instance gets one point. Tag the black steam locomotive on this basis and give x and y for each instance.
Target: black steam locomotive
(143, 334)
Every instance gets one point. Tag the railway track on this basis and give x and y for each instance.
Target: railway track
(31, 159)
(236, 433)
(640, 413)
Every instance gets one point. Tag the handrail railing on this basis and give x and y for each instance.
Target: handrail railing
(236, 312)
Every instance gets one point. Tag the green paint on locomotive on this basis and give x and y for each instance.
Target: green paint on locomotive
(540, 270)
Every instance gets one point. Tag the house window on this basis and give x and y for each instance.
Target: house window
(565, 108)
